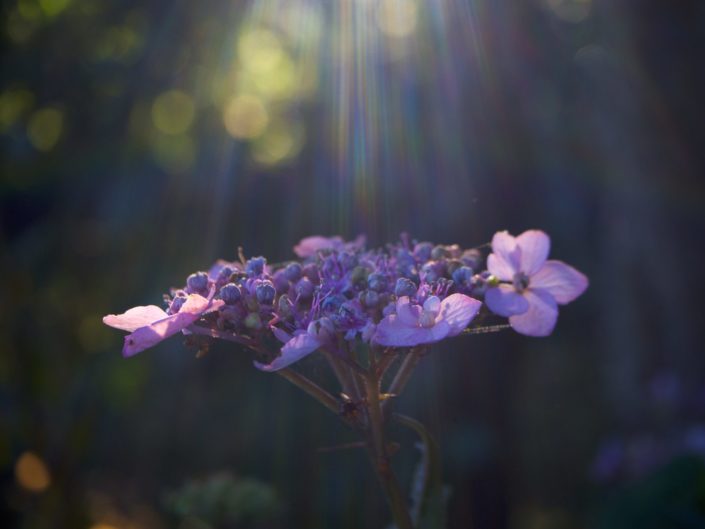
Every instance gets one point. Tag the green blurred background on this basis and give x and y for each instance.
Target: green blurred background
(143, 140)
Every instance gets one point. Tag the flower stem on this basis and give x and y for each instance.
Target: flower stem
(380, 458)
(313, 389)
(403, 374)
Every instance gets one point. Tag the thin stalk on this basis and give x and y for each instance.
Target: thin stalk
(313, 389)
(379, 457)
(403, 374)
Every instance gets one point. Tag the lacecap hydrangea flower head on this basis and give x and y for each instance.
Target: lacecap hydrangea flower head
(406, 295)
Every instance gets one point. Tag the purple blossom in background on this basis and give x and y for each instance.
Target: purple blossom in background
(435, 320)
(535, 286)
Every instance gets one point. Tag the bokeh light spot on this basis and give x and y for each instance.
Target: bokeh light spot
(32, 473)
(259, 50)
(245, 117)
(173, 112)
(281, 142)
(29, 9)
(53, 7)
(44, 128)
(175, 154)
(13, 104)
(397, 18)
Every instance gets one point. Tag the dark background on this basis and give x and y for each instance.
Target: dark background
(579, 117)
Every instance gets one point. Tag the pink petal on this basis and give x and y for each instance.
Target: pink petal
(150, 335)
(505, 301)
(563, 281)
(457, 310)
(534, 245)
(135, 318)
(310, 245)
(293, 351)
(408, 314)
(541, 317)
(500, 268)
(391, 332)
(505, 246)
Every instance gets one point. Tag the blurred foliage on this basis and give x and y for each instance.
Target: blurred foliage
(225, 501)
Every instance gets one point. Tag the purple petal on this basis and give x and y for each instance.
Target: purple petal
(534, 245)
(457, 310)
(505, 301)
(135, 318)
(541, 317)
(562, 281)
(391, 332)
(280, 334)
(293, 351)
(150, 335)
(505, 247)
(408, 314)
(432, 305)
(310, 245)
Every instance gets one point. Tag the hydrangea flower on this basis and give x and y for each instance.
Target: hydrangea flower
(310, 246)
(435, 320)
(535, 286)
(149, 324)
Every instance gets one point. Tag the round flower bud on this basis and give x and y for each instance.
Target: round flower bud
(332, 303)
(230, 294)
(197, 283)
(311, 271)
(377, 282)
(422, 251)
(293, 272)
(472, 258)
(405, 287)
(433, 271)
(285, 306)
(462, 276)
(281, 283)
(369, 298)
(255, 266)
(439, 252)
(176, 304)
(359, 276)
(265, 292)
(304, 288)
(452, 265)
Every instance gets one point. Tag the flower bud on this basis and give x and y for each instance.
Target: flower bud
(197, 283)
(472, 258)
(405, 287)
(332, 303)
(452, 265)
(433, 271)
(281, 283)
(255, 266)
(377, 282)
(265, 292)
(359, 276)
(285, 306)
(422, 251)
(176, 304)
(293, 272)
(439, 252)
(369, 298)
(322, 328)
(230, 294)
(462, 276)
(304, 288)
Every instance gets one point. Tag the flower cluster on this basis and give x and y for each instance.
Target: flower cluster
(405, 295)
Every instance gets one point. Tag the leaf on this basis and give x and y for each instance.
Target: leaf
(428, 494)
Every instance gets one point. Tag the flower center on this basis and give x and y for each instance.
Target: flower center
(521, 281)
